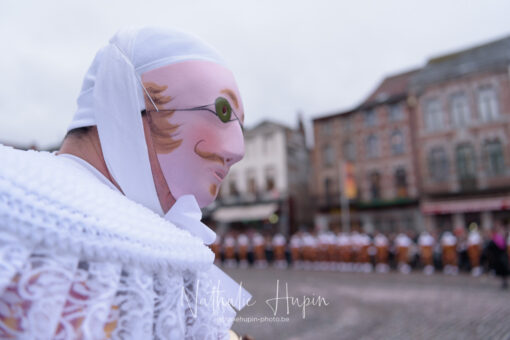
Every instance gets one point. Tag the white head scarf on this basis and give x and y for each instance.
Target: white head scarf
(112, 98)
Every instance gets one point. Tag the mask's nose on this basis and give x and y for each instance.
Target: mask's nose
(232, 144)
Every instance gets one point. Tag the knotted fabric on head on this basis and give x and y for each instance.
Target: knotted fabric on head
(112, 98)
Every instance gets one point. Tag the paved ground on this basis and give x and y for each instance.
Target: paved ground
(373, 306)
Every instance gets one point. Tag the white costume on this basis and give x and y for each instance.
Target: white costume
(279, 242)
(474, 248)
(81, 260)
(426, 243)
(403, 244)
(449, 244)
(382, 247)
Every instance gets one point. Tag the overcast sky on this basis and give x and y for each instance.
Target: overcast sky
(316, 56)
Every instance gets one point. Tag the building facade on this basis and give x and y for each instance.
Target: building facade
(428, 148)
(376, 141)
(463, 129)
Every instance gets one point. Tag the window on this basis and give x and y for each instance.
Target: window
(488, 106)
(397, 142)
(370, 118)
(252, 184)
(438, 164)
(372, 146)
(232, 188)
(328, 155)
(328, 190)
(347, 124)
(432, 115)
(465, 155)
(375, 185)
(270, 179)
(349, 151)
(493, 153)
(460, 110)
(250, 147)
(395, 112)
(401, 182)
(267, 143)
(326, 128)
(327, 186)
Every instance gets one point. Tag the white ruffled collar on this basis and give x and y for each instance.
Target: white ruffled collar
(186, 215)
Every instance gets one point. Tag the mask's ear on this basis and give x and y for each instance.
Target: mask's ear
(118, 99)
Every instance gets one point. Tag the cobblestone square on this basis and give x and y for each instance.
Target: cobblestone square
(372, 306)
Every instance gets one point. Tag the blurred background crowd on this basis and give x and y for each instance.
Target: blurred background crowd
(474, 251)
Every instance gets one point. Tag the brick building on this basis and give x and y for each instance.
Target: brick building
(428, 148)
(376, 140)
(463, 129)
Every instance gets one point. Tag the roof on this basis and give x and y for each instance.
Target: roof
(266, 125)
(492, 56)
(334, 115)
(392, 88)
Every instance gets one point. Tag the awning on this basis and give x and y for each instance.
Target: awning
(244, 213)
(466, 205)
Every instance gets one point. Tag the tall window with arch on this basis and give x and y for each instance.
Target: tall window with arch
(488, 106)
(432, 115)
(395, 112)
(438, 164)
(349, 150)
(459, 109)
(328, 190)
(370, 117)
(374, 179)
(466, 166)
(494, 157)
(401, 182)
(372, 146)
(397, 142)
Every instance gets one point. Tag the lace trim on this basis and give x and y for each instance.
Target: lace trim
(43, 200)
(55, 296)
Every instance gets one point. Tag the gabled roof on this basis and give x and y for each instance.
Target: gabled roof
(266, 125)
(492, 56)
(392, 88)
(334, 115)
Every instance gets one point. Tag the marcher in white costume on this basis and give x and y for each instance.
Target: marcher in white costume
(279, 243)
(382, 251)
(403, 244)
(426, 243)
(449, 250)
(296, 250)
(81, 260)
(242, 249)
(474, 249)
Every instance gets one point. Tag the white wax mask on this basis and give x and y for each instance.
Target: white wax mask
(196, 126)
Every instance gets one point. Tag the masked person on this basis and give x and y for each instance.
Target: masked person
(474, 250)
(229, 251)
(449, 252)
(381, 253)
(104, 240)
(296, 250)
(345, 250)
(403, 244)
(426, 244)
(242, 249)
(259, 251)
(279, 243)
